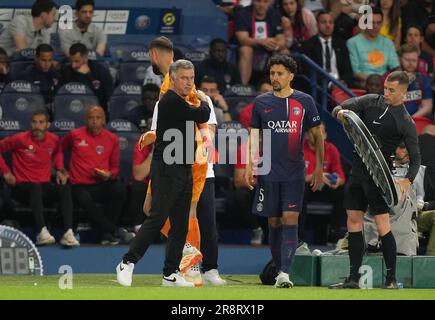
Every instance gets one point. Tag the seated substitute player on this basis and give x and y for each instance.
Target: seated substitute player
(288, 114)
(386, 118)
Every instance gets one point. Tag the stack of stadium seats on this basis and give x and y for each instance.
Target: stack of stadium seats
(237, 97)
(125, 101)
(18, 101)
(70, 103)
(134, 61)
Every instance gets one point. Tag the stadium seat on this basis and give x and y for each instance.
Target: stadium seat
(128, 135)
(339, 95)
(237, 97)
(125, 98)
(70, 104)
(133, 61)
(18, 101)
(19, 62)
(421, 122)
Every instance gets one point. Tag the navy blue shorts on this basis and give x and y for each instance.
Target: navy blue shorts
(272, 197)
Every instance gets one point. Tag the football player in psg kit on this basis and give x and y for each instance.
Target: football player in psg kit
(386, 118)
(288, 114)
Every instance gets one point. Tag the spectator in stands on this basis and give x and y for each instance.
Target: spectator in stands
(370, 52)
(29, 31)
(418, 99)
(333, 181)
(141, 113)
(4, 69)
(93, 172)
(89, 72)
(259, 34)
(33, 153)
(138, 187)
(43, 74)
(298, 23)
(375, 84)
(210, 87)
(416, 13)
(392, 22)
(217, 66)
(246, 114)
(345, 23)
(414, 35)
(83, 30)
(429, 40)
(329, 51)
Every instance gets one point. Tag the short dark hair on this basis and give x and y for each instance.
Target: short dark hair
(162, 43)
(43, 47)
(78, 48)
(41, 6)
(150, 87)
(208, 79)
(43, 112)
(378, 10)
(399, 76)
(262, 81)
(82, 3)
(216, 41)
(178, 54)
(320, 13)
(288, 62)
(420, 29)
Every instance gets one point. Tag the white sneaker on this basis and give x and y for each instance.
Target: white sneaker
(257, 238)
(44, 237)
(69, 240)
(213, 278)
(176, 280)
(283, 281)
(124, 273)
(193, 274)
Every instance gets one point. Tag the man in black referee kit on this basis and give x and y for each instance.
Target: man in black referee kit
(171, 183)
(386, 118)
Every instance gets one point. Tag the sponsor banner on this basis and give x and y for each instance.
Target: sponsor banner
(6, 14)
(115, 28)
(99, 16)
(117, 15)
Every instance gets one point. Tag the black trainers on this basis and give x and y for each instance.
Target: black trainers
(109, 239)
(347, 284)
(390, 284)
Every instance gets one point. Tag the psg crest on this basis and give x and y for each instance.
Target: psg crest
(371, 155)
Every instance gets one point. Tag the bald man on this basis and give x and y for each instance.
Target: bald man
(93, 172)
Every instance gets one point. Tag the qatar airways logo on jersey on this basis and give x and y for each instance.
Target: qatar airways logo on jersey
(283, 126)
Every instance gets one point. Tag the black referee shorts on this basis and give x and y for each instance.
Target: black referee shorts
(361, 193)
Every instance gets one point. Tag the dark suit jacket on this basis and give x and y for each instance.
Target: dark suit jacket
(313, 49)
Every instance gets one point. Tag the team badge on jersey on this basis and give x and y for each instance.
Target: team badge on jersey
(99, 149)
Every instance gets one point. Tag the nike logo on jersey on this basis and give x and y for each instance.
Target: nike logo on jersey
(291, 206)
(121, 268)
(375, 122)
(268, 110)
(171, 280)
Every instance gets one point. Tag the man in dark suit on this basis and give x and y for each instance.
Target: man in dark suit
(328, 51)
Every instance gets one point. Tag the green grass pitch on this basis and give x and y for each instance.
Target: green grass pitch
(239, 287)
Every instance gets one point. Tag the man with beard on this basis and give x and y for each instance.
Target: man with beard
(33, 153)
(288, 114)
(83, 30)
(217, 66)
